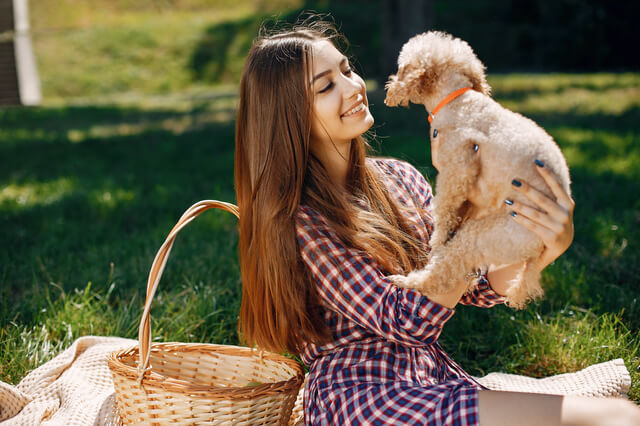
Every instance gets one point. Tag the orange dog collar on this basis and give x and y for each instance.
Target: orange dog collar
(451, 96)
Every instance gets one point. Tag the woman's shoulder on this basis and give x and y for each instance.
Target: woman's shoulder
(308, 216)
(391, 165)
(405, 176)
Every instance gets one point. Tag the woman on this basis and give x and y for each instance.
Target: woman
(323, 225)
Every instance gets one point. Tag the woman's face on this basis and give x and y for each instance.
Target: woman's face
(340, 106)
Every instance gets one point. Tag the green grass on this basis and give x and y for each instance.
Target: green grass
(92, 181)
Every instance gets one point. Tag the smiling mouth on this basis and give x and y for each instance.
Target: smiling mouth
(354, 110)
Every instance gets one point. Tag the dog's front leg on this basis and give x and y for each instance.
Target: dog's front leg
(460, 168)
(448, 265)
(477, 243)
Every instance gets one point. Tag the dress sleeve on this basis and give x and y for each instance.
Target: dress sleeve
(348, 283)
(483, 296)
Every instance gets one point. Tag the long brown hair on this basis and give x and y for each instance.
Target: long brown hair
(275, 172)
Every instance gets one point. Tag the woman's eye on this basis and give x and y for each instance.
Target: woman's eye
(327, 87)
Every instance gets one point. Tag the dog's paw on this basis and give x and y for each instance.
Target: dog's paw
(400, 280)
(404, 281)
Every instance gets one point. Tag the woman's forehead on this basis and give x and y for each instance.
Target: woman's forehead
(325, 54)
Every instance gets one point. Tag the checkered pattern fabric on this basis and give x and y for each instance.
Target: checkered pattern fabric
(384, 365)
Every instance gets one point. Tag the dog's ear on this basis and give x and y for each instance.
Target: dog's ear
(476, 74)
(397, 90)
(470, 66)
(407, 86)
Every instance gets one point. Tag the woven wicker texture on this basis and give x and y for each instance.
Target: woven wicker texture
(609, 378)
(188, 383)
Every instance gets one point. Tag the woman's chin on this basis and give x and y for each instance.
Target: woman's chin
(368, 120)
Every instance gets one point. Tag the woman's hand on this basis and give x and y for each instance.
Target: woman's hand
(551, 219)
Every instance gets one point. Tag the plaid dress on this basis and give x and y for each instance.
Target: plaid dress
(384, 364)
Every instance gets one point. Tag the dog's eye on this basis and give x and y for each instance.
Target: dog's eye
(475, 147)
(435, 132)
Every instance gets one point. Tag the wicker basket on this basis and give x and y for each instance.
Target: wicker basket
(190, 383)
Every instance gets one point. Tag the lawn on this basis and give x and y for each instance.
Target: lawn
(92, 181)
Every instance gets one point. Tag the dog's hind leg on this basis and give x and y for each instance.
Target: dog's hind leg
(526, 288)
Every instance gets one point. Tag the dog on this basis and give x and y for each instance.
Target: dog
(481, 148)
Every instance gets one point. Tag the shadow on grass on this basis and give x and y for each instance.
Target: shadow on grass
(121, 196)
(627, 121)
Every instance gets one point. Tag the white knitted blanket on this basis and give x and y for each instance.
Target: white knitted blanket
(76, 388)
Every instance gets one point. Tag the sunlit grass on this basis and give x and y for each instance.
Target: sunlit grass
(191, 312)
(572, 339)
(600, 151)
(550, 82)
(108, 48)
(147, 57)
(36, 193)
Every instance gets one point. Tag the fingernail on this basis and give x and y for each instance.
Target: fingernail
(508, 202)
(539, 163)
(514, 214)
(516, 183)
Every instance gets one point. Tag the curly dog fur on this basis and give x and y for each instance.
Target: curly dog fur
(476, 138)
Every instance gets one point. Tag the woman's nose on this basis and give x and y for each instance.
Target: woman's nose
(352, 88)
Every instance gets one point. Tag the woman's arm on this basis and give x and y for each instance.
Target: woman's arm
(349, 283)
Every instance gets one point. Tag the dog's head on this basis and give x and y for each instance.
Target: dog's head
(424, 63)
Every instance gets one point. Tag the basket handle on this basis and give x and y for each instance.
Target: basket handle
(144, 333)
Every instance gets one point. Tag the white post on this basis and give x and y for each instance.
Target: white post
(28, 80)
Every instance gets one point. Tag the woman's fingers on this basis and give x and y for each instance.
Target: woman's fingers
(540, 200)
(544, 232)
(536, 216)
(551, 219)
(561, 195)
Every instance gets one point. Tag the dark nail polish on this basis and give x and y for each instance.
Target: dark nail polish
(539, 163)
(514, 214)
(435, 133)
(508, 202)
(516, 183)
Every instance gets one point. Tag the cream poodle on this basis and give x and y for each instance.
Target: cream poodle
(479, 147)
